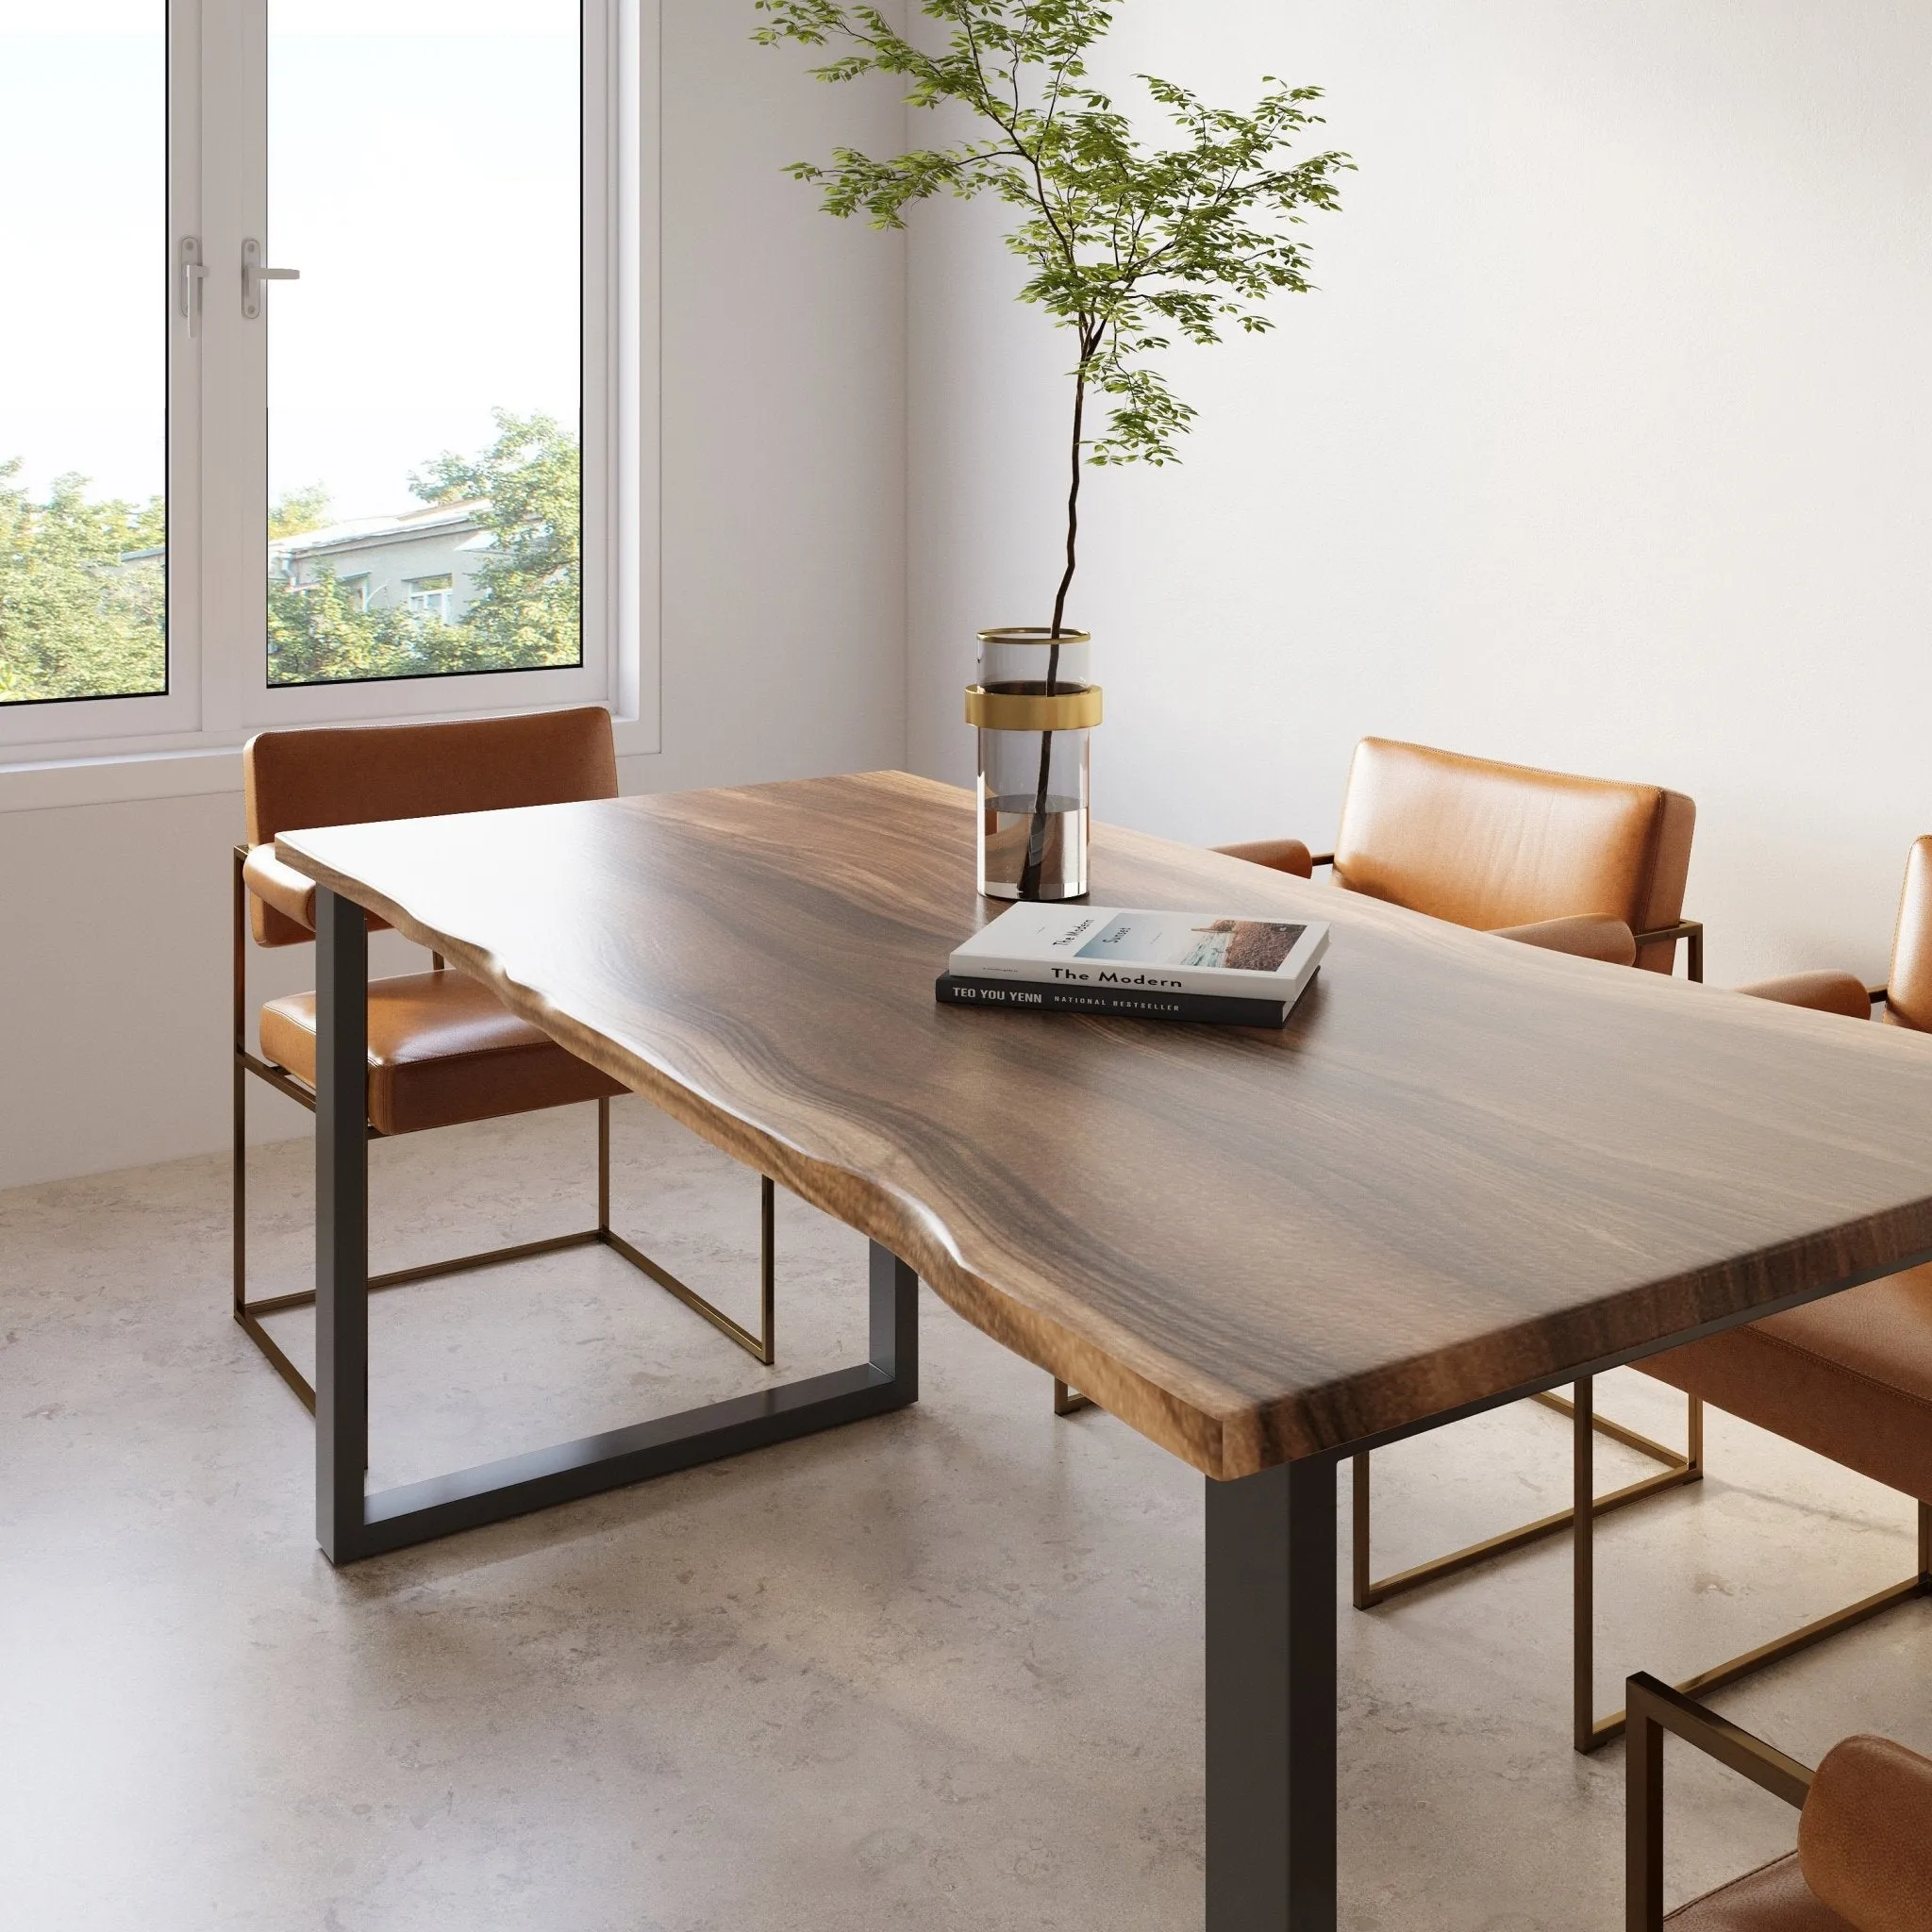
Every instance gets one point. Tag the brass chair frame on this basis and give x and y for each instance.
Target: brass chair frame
(1367, 1591)
(1589, 1732)
(248, 1314)
(1067, 1402)
(1654, 1707)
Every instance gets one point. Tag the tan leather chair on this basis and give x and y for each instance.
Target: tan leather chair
(1864, 1856)
(1848, 1377)
(1541, 856)
(443, 1048)
(1590, 866)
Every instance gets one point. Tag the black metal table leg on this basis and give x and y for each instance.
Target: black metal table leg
(1271, 1700)
(350, 1523)
(341, 1222)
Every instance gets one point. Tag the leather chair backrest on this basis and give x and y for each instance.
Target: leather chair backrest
(347, 774)
(1908, 985)
(1865, 1836)
(1488, 845)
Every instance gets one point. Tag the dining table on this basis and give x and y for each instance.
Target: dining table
(1464, 1171)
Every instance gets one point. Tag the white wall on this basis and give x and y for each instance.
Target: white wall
(1607, 446)
(782, 610)
(1604, 446)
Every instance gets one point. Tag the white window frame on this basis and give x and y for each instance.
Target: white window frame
(186, 740)
(432, 594)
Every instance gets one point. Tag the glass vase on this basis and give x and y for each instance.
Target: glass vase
(1034, 710)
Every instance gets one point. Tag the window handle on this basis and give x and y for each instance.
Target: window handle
(193, 273)
(253, 274)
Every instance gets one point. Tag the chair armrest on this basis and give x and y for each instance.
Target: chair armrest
(291, 892)
(1690, 929)
(1280, 854)
(283, 908)
(1865, 1838)
(1587, 936)
(1653, 1708)
(1821, 993)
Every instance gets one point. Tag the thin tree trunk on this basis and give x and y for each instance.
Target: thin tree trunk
(1036, 837)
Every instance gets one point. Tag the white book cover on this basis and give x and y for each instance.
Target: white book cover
(1166, 952)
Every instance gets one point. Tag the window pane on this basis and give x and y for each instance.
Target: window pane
(424, 373)
(83, 349)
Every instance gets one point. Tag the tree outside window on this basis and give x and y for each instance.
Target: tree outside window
(83, 592)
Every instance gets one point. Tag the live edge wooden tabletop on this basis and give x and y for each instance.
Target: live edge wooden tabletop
(1465, 1166)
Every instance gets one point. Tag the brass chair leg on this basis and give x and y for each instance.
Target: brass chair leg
(1583, 1570)
(768, 1265)
(1366, 1591)
(1361, 1590)
(245, 1314)
(762, 1346)
(604, 1165)
(1589, 1732)
(1068, 1400)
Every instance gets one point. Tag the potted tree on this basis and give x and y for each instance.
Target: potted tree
(1126, 245)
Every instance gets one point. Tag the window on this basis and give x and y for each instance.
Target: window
(431, 355)
(434, 300)
(431, 597)
(83, 383)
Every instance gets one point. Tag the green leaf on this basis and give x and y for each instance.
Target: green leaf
(1128, 243)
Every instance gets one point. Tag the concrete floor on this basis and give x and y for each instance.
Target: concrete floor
(940, 1670)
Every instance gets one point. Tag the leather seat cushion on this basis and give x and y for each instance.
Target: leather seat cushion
(443, 1048)
(1775, 1898)
(1849, 1377)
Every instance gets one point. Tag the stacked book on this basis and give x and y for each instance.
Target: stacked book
(1225, 969)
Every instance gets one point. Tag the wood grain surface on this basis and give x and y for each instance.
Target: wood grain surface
(1465, 1166)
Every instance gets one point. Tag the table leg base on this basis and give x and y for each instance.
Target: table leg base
(492, 1491)
(350, 1523)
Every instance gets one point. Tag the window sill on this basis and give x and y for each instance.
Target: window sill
(127, 779)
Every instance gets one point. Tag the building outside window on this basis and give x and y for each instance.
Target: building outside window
(426, 560)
